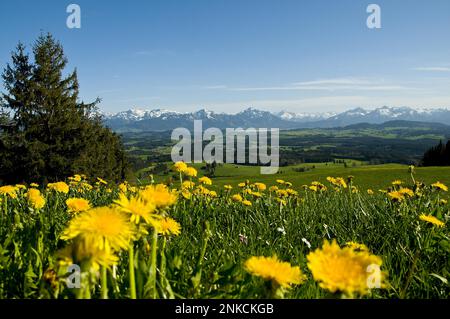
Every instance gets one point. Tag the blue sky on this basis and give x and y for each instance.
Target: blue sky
(227, 55)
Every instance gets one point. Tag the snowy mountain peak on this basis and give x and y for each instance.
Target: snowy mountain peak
(161, 119)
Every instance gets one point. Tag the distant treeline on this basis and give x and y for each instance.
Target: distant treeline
(437, 155)
(145, 149)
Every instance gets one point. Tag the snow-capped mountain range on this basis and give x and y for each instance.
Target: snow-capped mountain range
(160, 120)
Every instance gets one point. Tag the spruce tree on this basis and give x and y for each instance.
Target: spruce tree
(437, 155)
(51, 134)
(13, 145)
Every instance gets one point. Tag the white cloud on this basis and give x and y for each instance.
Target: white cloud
(214, 87)
(336, 81)
(336, 84)
(433, 69)
(327, 88)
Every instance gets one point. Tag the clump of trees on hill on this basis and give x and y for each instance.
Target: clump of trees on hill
(46, 133)
(437, 155)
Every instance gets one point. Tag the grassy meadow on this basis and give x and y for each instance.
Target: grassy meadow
(312, 234)
(367, 176)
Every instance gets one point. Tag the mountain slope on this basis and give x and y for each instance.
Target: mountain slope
(138, 120)
(157, 120)
(384, 114)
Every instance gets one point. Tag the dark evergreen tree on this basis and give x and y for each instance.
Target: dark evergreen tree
(51, 134)
(437, 155)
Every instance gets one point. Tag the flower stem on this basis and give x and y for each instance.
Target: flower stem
(153, 264)
(410, 274)
(131, 271)
(181, 180)
(162, 272)
(104, 283)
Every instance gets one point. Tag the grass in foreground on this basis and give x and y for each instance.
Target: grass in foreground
(325, 239)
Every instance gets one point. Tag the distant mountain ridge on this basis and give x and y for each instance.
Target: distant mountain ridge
(160, 120)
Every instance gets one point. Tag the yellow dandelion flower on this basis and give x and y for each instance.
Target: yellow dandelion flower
(440, 186)
(205, 180)
(188, 185)
(102, 181)
(160, 195)
(34, 185)
(242, 185)
(273, 188)
(282, 193)
(179, 167)
(75, 179)
(200, 190)
(168, 226)
(340, 181)
(256, 194)
(260, 186)
(370, 192)
(186, 194)
(60, 187)
(212, 193)
(342, 269)
(190, 171)
(275, 270)
(406, 191)
(86, 186)
(280, 181)
(81, 252)
(397, 182)
(77, 205)
(123, 187)
(35, 199)
(248, 191)
(237, 198)
(228, 187)
(396, 196)
(137, 207)
(247, 203)
(132, 189)
(291, 192)
(9, 190)
(432, 220)
(104, 228)
(317, 186)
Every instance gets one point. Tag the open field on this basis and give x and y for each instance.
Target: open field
(366, 176)
(393, 142)
(206, 241)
